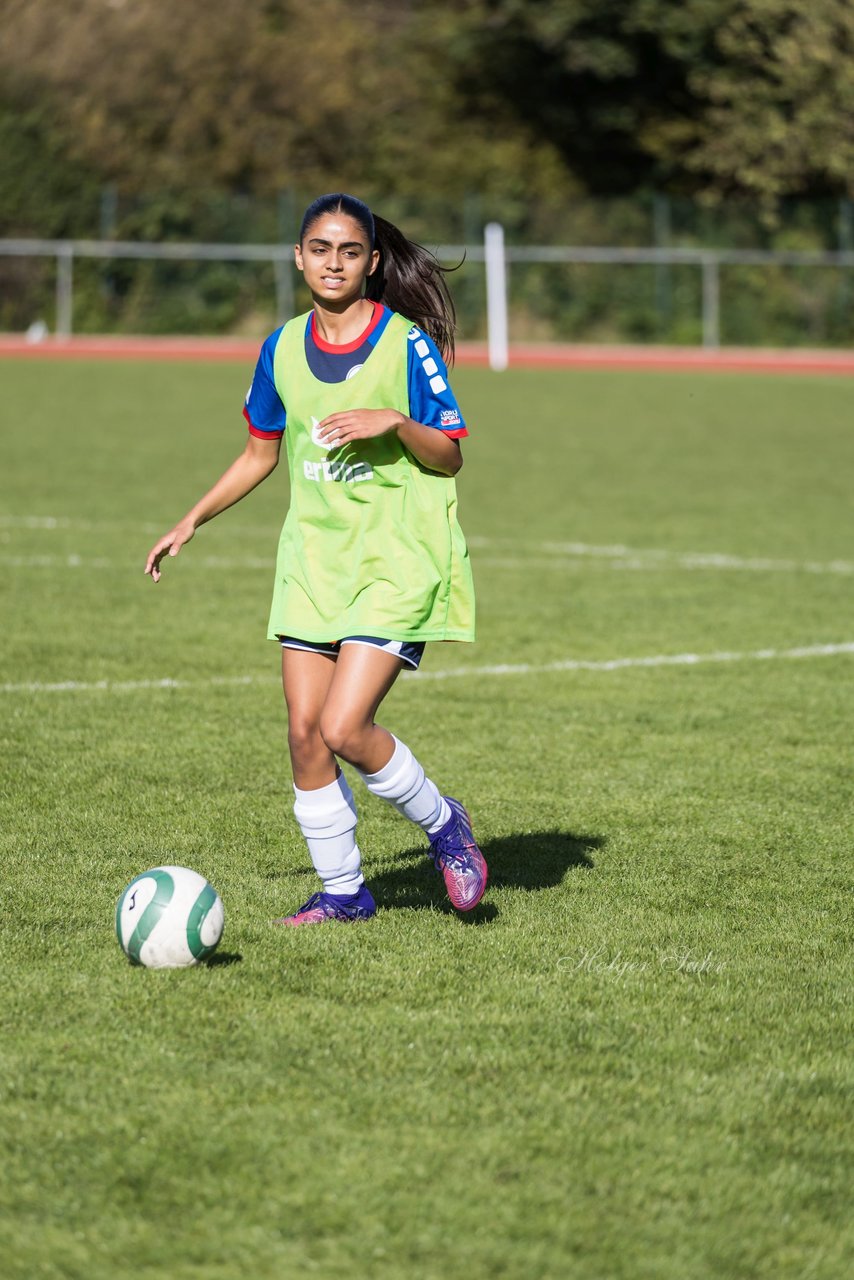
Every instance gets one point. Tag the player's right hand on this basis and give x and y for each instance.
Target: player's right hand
(170, 544)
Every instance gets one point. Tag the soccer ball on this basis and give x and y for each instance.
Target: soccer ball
(169, 918)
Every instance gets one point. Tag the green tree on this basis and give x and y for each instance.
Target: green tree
(778, 114)
(519, 101)
(753, 97)
(254, 97)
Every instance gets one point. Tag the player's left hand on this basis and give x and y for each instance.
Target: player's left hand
(357, 424)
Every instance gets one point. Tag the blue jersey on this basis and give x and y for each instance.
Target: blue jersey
(431, 400)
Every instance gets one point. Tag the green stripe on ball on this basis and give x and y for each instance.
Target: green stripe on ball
(195, 920)
(165, 888)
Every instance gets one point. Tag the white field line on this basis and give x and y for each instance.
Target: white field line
(656, 660)
(73, 561)
(620, 557)
(40, 522)
(52, 524)
(663, 563)
(517, 554)
(643, 561)
(507, 669)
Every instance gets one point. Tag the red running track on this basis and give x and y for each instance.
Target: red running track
(522, 355)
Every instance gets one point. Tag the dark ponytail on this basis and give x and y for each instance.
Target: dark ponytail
(408, 279)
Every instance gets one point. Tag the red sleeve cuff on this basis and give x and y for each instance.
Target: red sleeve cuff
(456, 433)
(255, 431)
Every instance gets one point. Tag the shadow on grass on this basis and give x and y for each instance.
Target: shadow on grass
(223, 958)
(530, 860)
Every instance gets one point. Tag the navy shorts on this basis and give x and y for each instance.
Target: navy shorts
(409, 651)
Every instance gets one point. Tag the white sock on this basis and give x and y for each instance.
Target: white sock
(405, 785)
(327, 819)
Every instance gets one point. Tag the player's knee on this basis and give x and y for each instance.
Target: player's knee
(342, 736)
(305, 742)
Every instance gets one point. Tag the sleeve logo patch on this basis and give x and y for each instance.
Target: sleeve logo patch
(449, 418)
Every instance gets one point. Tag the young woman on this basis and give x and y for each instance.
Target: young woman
(372, 562)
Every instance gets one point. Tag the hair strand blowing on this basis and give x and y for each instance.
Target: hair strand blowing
(409, 279)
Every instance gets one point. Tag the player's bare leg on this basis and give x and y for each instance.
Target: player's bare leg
(306, 680)
(363, 677)
(324, 805)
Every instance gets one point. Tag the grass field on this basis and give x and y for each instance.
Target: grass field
(633, 1061)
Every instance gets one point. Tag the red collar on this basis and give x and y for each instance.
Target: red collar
(337, 349)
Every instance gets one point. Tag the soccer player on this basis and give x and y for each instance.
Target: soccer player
(372, 562)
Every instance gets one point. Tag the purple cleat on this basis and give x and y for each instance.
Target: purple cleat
(457, 856)
(329, 906)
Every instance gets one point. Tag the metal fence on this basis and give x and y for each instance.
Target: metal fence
(498, 257)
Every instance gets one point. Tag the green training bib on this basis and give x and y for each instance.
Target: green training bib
(371, 544)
